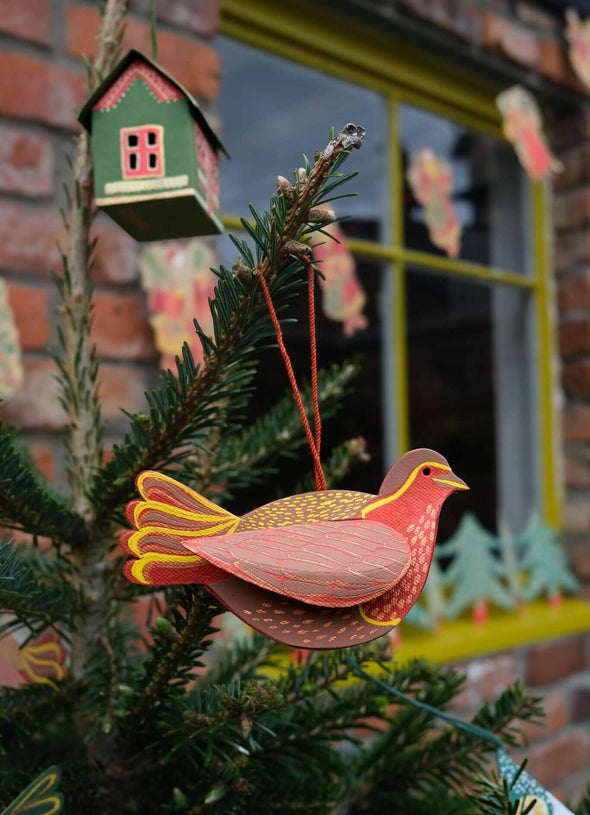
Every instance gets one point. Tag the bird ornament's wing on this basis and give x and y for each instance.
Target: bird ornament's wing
(41, 797)
(332, 563)
(168, 512)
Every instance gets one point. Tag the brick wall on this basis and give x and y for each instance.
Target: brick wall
(41, 49)
(42, 43)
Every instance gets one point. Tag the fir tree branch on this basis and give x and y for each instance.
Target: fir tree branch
(253, 455)
(342, 460)
(186, 406)
(28, 505)
(33, 603)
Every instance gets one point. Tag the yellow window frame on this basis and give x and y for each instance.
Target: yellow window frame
(305, 33)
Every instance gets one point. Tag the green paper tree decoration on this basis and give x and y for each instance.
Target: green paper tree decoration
(509, 551)
(476, 573)
(545, 563)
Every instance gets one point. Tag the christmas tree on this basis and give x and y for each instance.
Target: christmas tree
(476, 572)
(139, 725)
(545, 563)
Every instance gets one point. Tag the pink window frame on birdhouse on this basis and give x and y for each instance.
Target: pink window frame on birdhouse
(142, 151)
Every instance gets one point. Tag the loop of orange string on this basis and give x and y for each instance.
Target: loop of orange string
(314, 441)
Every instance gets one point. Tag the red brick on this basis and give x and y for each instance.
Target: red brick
(31, 315)
(572, 209)
(580, 559)
(509, 39)
(575, 378)
(27, 19)
(576, 422)
(36, 404)
(26, 163)
(44, 459)
(574, 292)
(577, 473)
(121, 329)
(29, 241)
(555, 660)
(552, 761)
(574, 337)
(115, 255)
(199, 16)
(580, 704)
(39, 90)
(554, 64)
(486, 679)
(194, 65)
(576, 514)
(122, 386)
(571, 127)
(576, 168)
(556, 717)
(571, 249)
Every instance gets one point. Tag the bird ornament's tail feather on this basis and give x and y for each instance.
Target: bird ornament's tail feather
(169, 513)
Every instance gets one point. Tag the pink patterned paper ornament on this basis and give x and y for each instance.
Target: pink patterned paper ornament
(431, 180)
(343, 297)
(11, 371)
(41, 660)
(179, 281)
(578, 35)
(522, 127)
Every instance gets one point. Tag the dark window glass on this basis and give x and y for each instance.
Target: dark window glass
(471, 392)
(273, 110)
(133, 161)
(152, 138)
(489, 195)
(152, 160)
(132, 140)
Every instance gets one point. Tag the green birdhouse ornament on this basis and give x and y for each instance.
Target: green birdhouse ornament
(155, 157)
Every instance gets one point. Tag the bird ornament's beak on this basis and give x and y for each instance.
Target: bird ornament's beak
(451, 481)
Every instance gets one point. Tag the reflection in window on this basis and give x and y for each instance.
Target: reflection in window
(273, 110)
(471, 392)
(490, 191)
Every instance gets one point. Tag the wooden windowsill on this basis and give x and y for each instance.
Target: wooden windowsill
(504, 630)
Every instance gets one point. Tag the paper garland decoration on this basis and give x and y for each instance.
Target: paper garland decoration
(180, 282)
(11, 370)
(431, 181)
(577, 33)
(526, 789)
(326, 569)
(41, 660)
(511, 570)
(41, 797)
(343, 296)
(545, 562)
(523, 127)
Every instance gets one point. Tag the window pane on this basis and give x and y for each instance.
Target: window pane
(489, 193)
(132, 140)
(152, 138)
(274, 110)
(361, 412)
(471, 392)
(153, 160)
(133, 161)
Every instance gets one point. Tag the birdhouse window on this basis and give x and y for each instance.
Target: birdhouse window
(142, 151)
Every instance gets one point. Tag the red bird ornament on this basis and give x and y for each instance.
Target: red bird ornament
(323, 569)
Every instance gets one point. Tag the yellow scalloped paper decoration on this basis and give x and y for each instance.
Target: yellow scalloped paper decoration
(11, 369)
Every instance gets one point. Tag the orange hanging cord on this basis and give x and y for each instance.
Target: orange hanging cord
(314, 441)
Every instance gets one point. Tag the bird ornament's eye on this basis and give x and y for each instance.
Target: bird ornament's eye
(426, 471)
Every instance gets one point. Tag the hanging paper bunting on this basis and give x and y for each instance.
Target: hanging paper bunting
(11, 371)
(431, 180)
(523, 127)
(180, 282)
(41, 660)
(343, 297)
(578, 35)
(526, 789)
